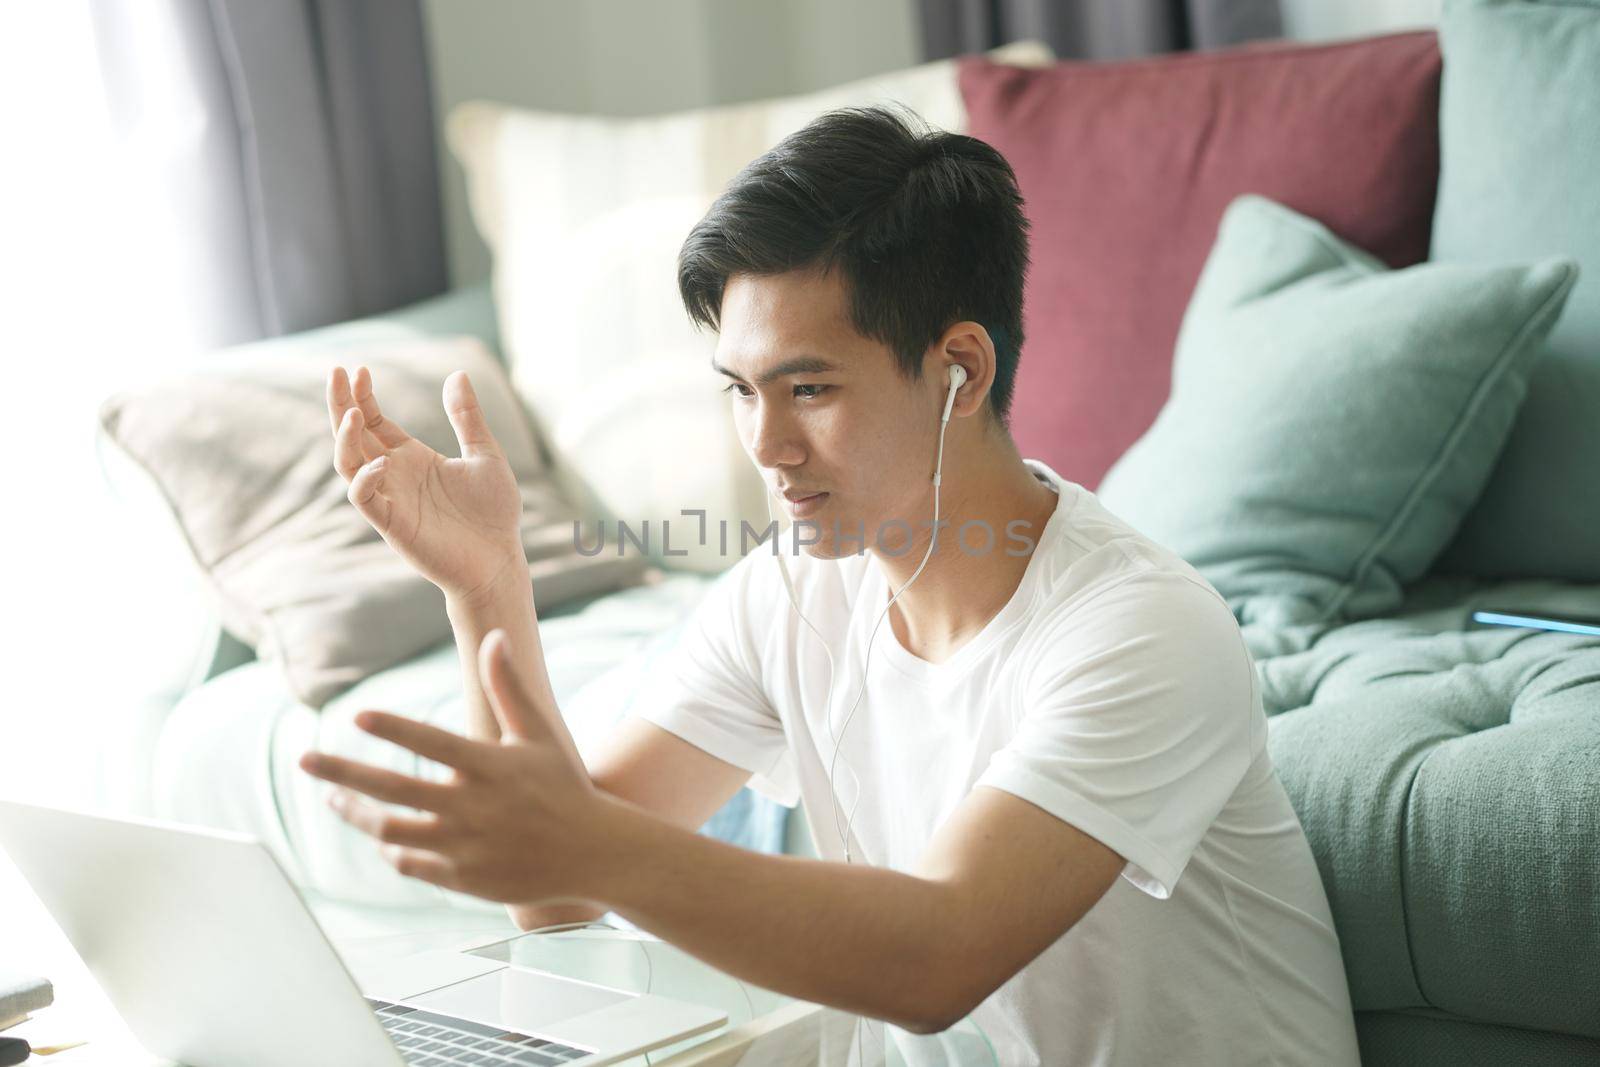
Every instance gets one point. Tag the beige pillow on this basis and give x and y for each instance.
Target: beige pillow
(585, 216)
(243, 455)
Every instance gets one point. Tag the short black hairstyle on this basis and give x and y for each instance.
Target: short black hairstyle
(927, 228)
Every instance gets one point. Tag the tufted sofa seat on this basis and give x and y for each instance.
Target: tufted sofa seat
(1448, 777)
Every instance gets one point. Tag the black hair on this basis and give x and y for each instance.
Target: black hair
(927, 228)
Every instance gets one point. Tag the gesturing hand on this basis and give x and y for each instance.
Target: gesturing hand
(457, 521)
(518, 821)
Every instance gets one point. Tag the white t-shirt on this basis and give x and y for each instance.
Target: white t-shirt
(1114, 691)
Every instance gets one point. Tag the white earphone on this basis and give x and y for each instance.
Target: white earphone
(958, 377)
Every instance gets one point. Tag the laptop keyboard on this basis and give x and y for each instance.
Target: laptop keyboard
(427, 1039)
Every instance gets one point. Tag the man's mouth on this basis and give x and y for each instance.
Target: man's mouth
(802, 503)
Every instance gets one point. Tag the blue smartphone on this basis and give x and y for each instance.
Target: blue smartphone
(1567, 624)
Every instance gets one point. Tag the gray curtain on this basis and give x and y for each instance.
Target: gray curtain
(291, 143)
(1095, 29)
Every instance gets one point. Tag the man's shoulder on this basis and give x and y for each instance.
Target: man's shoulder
(1108, 586)
(1100, 556)
(1121, 596)
(1140, 613)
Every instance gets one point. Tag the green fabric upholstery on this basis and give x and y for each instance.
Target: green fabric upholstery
(1330, 420)
(1501, 855)
(1444, 774)
(1520, 155)
(1436, 1039)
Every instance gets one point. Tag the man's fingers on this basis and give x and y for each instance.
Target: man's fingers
(521, 715)
(425, 740)
(390, 828)
(513, 705)
(466, 417)
(354, 444)
(380, 784)
(339, 398)
(342, 400)
(347, 456)
(366, 493)
(386, 430)
(502, 687)
(424, 866)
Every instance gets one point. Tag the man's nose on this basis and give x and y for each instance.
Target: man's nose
(774, 438)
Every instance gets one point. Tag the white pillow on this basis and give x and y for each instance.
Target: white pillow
(584, 216)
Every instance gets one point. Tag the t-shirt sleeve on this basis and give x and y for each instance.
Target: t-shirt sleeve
(708, 689)
(1139, 722)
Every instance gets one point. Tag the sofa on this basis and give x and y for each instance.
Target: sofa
(1447, 774)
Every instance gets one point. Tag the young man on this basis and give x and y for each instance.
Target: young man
(1045, 800)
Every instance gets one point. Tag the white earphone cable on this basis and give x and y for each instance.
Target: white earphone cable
(957, 377)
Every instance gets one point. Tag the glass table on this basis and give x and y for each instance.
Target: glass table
(764, 1029)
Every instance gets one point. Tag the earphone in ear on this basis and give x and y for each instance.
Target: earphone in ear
(958, 377)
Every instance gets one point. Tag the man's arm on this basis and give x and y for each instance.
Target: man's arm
(509, 607)
(640, 762)
(999, 883)
(659, 773)
(522, 820)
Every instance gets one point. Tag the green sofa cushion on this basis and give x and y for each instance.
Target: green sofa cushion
(1500, 851)
(1330, 420)
(1520, 161)
(1425, 1038)
(1444, 774)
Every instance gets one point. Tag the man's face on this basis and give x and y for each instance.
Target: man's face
(820, 409)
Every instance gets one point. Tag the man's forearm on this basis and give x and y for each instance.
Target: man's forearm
(509, 608)
(869, 940)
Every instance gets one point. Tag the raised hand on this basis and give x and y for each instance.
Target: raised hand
(457, 521)
(518, 819)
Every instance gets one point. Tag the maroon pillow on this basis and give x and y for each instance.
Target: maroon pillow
(1126, 169)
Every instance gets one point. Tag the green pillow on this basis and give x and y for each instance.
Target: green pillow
(1519, 131)
(1330, 420)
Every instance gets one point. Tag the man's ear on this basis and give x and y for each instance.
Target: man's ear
(969, 344)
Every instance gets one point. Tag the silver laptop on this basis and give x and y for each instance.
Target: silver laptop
(212, 958)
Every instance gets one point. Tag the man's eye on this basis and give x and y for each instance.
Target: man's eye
(804, 392)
